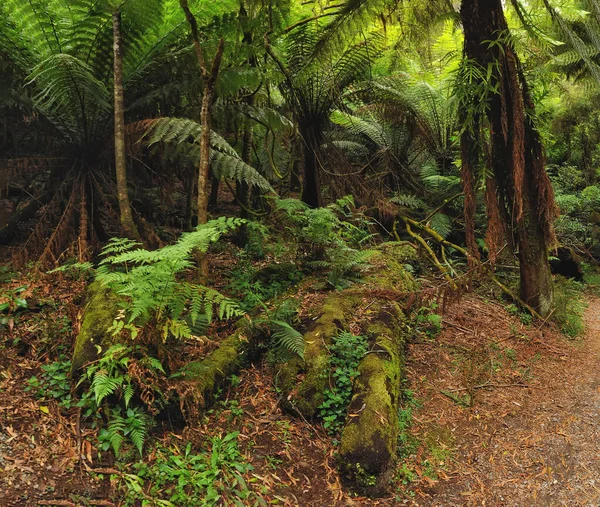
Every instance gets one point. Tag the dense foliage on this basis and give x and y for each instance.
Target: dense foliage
(469, 132)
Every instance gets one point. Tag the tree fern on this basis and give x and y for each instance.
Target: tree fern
(225, 161)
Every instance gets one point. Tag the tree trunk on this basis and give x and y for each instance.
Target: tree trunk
(127, 224)
(311, 183)
(204, 168)
(524, 195)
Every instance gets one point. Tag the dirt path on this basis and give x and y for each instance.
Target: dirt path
(524, 446)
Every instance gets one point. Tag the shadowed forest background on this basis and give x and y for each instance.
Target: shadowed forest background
(296, 252)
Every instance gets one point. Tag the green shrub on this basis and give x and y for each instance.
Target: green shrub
(54, 383)
(177, 478)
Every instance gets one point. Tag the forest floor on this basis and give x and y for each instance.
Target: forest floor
(497, 412)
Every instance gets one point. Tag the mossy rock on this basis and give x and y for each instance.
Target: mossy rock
(101, 309)
(369, 440)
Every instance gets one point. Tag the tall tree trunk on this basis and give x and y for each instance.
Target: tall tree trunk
(209, 78)
(204, 168)
(524, 198)
(127, 224)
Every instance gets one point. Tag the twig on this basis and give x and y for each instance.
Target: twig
(546, 319)
(487, 384)
(65, 503)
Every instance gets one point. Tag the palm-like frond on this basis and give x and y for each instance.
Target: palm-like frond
(225, 161)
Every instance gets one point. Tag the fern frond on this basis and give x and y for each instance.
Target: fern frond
(104, 385)
(115, 431)
(442, 224)
(408, 201)
(136, 428)
(287, 338)
(291, 206)
(225, 161)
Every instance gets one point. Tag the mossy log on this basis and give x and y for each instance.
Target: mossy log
(370, 438)
(101, 309)
(198, 382)
(303, 383)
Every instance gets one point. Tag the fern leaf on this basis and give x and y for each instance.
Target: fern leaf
(287, 338)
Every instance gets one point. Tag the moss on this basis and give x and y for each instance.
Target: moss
(370, 439)
(198, 382)
(206, 376)
(306, 396)
(93, 337)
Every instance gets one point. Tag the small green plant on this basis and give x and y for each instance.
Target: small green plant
(285, 340)
(53, 383)
(133, 424)
(176, 477)
(325, 240)
(11, 304)
(428, 322)
(346, 352)
(569, 306)
(119, 375)
(407, 443)
(254, 288)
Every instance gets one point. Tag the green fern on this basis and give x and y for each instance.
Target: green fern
(149, 285)
(225, 161)
(114, 433)
(442, 224)
(136, 428)
(408, 201)
(287, 339)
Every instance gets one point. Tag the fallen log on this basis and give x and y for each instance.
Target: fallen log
(197, 383)
(302, 383)
(369, 440)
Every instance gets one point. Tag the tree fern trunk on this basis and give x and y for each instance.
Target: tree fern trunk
(311, 183)
(127, 224)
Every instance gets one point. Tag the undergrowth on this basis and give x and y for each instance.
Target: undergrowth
(570, 305)
(179, 477)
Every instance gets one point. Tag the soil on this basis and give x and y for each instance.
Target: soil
(502, 413)
(531, 440)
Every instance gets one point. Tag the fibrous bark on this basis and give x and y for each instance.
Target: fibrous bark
(523, 198)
